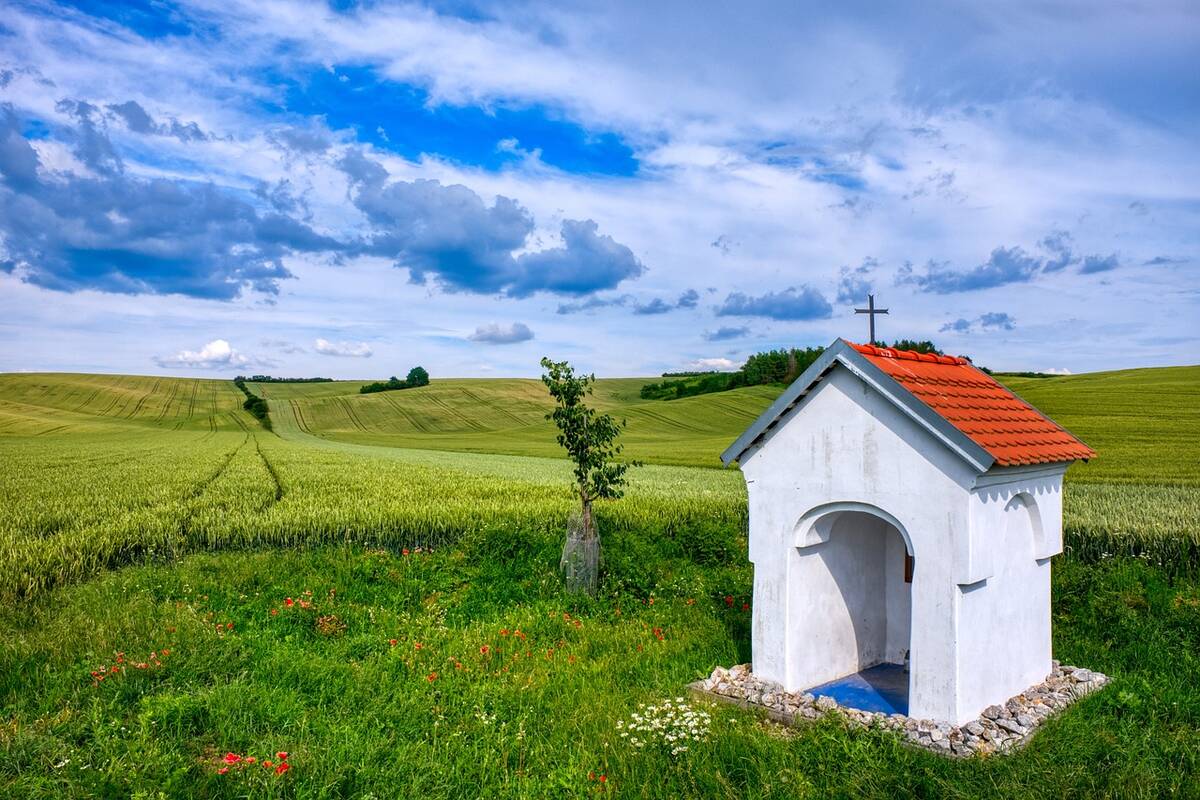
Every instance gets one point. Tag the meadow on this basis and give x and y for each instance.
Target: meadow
(146, 515)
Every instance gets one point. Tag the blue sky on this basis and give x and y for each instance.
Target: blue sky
(349, 189)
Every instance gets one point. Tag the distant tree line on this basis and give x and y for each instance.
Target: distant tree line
(768, 367)
(257, 406)
(417, 376)
(269, 379)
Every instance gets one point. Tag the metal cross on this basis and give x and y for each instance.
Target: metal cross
(871, 311)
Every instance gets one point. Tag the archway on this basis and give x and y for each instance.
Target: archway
(854, 572)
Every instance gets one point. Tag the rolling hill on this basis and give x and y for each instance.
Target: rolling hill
(508, 416)
(42, 403)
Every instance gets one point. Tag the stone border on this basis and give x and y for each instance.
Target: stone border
(1000, 729)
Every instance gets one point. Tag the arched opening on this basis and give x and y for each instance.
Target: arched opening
(855, 570)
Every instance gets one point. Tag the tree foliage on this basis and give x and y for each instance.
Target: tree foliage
(589, 437)
(417, 376)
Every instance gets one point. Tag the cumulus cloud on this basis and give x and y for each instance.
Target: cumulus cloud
(1005, 265)
(803, 303)
(724, 334)
(1099, 264)
(138, 120)
(989, 321)
(214, 355)
(449, 234)
(343, 349)
(689, 299)
(854, 284)
(706, 364)
(593, 303)
(496, 333)
(117, 233)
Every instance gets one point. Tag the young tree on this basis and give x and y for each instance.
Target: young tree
(590, 439)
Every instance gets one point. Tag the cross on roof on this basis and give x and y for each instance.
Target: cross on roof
(871, 311)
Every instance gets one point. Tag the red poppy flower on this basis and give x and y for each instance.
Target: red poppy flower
(431, 677)
(651, 601)
(250, 759)
(222, 770)
(729, 600)
(166, 653)
(289, 602)
(691, 601)
(274, 611)
(228, 626)
(232, 758)
(591, 776)
(485, 650)
(417, 645)
(282, 768)
(267, 764)
(603, 778)
(504, 631)
(392, 642)
(745, 606)
(281, 755)
(404, 552)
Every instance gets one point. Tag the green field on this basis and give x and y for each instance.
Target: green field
(222, 520)
(509, 416)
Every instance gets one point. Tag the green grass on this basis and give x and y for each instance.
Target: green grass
(106, 471)
(508, 416)
(61, 403)
(534, 716)
(1143, 423)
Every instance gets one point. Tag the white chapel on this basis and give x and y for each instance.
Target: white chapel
(904, 508)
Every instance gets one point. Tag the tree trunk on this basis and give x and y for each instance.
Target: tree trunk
(580, 562)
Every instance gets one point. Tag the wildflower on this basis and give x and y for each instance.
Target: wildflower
(404, 552)
(166, 653)
(745, 606)
(431, 677)
(603, 778)
(591, 776)
(250, 759)
(222, 770)
(232, 758)
(571, 659)
(691, 601)
(651, 601)
(392, 642)
(485, 650)
(267, 764)
(578, 623)
(417, 645)
(274, 612)
(228, 626)
(281, 755)
(282, 768)
(729, 600)
(289, 602)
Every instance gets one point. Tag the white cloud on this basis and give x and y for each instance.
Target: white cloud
(1057, 371)
(706, 364)
(343, 349)
(502, 334)
(217, 353)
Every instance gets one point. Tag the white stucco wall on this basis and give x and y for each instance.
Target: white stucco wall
(821, 574)
(1004, 619)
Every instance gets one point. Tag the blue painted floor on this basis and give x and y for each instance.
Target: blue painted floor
(882, 688)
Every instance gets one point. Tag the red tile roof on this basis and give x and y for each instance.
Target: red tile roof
(1011, 430)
